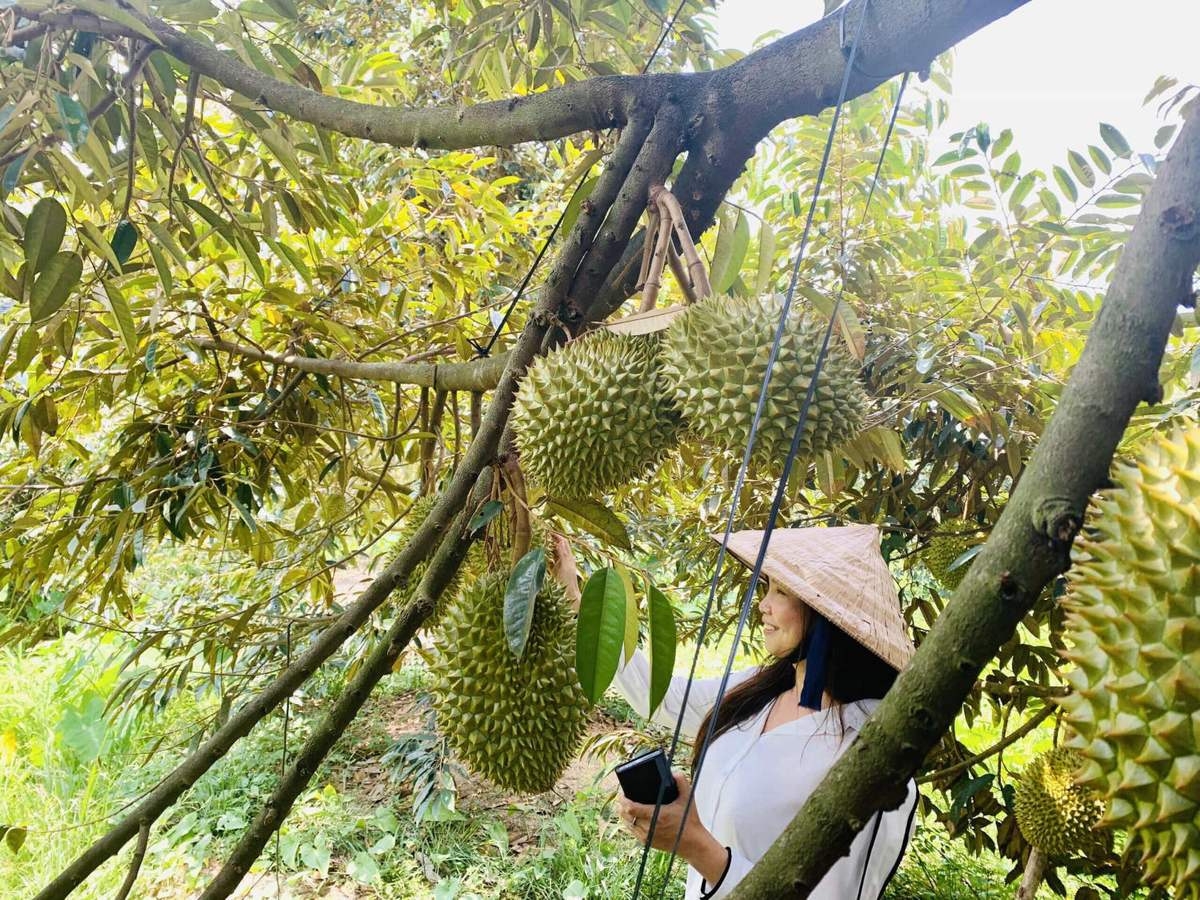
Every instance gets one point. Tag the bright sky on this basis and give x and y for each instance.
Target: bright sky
(1051, 71)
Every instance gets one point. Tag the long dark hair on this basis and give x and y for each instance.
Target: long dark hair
(853, 673)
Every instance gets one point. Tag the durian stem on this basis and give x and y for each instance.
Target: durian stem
(698, 274)
(1035, 872)
(648, 249)
(658, 258)
(522, 531)
(998, 747)
(681, 275)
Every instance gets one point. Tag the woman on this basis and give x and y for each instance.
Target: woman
(832, 624)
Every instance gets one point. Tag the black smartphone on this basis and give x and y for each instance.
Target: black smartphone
(645, 775)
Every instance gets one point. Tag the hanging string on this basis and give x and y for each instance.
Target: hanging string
(485, 349)
(793, 452)
(662, 38)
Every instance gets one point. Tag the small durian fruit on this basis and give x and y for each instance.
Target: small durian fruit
(947, 545)
(1056, 815)
(714, 357)
(516, 722)
(1133, 630)
(594, 415)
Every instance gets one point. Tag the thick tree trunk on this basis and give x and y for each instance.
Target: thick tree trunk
(1030, 544)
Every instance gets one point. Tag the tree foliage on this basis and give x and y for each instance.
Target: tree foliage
(191, 278)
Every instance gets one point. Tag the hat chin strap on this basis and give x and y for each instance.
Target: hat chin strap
(814, 650)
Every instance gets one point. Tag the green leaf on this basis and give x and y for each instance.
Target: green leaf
(119, 307)
(1100, 158)
(1115, 140)
(124, 240)
(629, 645)
(1082, 168)
(766, 258)
(44, 230)
(14, 837)
(487, 512)
(663, 639)
(74, 120)
(1001, 144)
(380, 413)
(520, 599)
(1065, 184)
(600, 632)
(54, 285)
(1021, 191)
(12, 175)
(1050, 202)
(576, 202)
(733, 238)
(593, 517)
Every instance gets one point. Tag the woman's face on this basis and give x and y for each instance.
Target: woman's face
(784, 618)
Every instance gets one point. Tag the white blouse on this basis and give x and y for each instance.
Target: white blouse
(752, 784)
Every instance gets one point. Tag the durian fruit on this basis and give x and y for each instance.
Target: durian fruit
(947, 545)
(714, 357)
(593, 415)
(516, 722)
(1056, 815)
(1134, 631)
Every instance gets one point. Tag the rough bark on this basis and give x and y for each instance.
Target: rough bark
(1030, 543)
(797, 75)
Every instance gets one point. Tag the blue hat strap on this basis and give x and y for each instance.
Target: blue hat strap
(816, 655)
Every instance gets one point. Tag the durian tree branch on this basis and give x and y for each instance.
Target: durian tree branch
(1032, 877)
(478, 457)
(797, 75)
(1008, 740)
(654, 160)
(1030, 543)
(473, 375)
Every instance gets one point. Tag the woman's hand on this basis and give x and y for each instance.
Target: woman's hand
(564, 568)
(697, 845)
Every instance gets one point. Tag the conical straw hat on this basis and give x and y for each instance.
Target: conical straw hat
(839, 572)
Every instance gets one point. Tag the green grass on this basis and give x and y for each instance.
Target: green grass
(60, 763)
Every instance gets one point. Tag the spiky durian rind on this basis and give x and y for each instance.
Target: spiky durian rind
(947, 545)
(516, 722)
(1134, 635)
(593, 415)
(714, 357)
(1056, 815)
